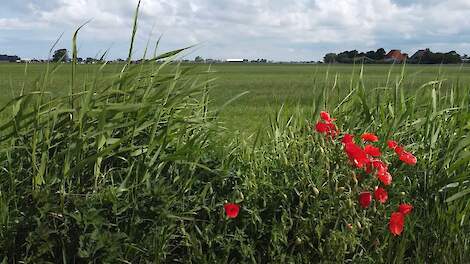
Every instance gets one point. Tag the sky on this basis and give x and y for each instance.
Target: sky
(279, 30)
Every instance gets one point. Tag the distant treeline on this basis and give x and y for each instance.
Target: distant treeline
(425, 56)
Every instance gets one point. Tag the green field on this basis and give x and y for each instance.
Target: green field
(105, 166)
(269, 85)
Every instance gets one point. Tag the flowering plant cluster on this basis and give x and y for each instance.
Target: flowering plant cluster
(367, 157)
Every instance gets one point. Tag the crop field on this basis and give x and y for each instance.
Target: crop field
(234, 163)
(265, 87)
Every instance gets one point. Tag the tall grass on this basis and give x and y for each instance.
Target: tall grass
(433, 123)
(136, 169)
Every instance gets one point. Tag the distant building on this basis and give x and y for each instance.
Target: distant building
(8, 58)
(465, 59)
(234, 60)
(395, 56)
(418, 56)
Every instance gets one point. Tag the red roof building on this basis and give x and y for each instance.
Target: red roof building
(396, 56)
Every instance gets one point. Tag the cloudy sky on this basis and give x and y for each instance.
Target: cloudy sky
(272, 29)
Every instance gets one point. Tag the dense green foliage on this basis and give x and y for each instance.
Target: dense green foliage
(428, 57)
(420, 57)
(60, 55)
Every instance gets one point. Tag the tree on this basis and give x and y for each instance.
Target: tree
(452, 57)
(89, 60)
(60, 55)
(330, 58)
(198, 59)
(352, 54)
(371, 55)
(428, 57)
(380, 54)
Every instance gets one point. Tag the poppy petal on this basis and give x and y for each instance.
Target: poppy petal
(408, 158)
(373, 151)
(392, 144)
(326, 117)
(381, 195)
(405, 209)
(396, 223)
(348, 138)
(369, 137)
(385, 177)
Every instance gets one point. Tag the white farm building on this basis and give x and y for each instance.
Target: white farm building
(234, 60)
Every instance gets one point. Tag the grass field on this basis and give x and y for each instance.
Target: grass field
(269, 85)
(134, 167)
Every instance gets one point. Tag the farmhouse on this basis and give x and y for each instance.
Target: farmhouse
(395, 56)
(8, 58)
(419, 54)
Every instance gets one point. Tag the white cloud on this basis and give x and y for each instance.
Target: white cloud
(17, 24)
(260, 28)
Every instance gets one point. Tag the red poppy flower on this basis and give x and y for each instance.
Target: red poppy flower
(369, 137)
(379, 165)
(348, 138)
(356, 154)
(408, 158)
(328, 129)
(399, 150)
(364, 199)
(384, 176)
(321, 127)
(392, 144)
(373, 151)
(326, 117)
(231, 209)
(332, 130)
(397, 221)
(381, 195)
(405, 208)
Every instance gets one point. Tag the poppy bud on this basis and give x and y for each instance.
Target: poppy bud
(316, 191)
(298, 241)
(358, 224)
(364, 199)
(376, 243)
(354, 178)
(239, 195)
